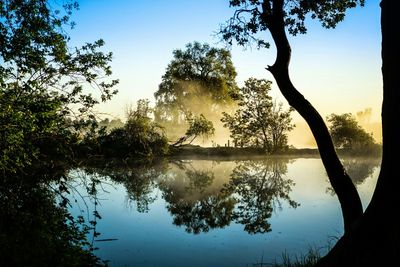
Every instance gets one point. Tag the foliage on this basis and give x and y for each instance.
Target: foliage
(139, 137)
(42, 82)
(198, 73)
(248, 19)
(259, 121)
(44, 103)
(198, 126)
(347, 134)
(111, 124)
(197, 214)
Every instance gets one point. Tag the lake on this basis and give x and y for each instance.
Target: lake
(214, 212)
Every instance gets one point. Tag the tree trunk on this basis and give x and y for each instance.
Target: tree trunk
(347, 194)
(375, 239)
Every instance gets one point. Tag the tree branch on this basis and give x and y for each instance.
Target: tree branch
(347, 193)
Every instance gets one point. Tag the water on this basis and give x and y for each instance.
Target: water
(215, 213)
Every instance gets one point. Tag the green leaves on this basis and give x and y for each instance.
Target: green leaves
(45, 84)
(199, 73)
(259, 121)
(199, 126)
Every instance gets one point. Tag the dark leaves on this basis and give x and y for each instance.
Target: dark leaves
(251, 17)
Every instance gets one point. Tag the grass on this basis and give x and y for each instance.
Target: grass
(309, 259)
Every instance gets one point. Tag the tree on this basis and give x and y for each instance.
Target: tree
(198, 126)
(139, 137)
(44, 102)
(42, 82)
(347, 134)
(199, 73)
(259, 121)
(369, 240)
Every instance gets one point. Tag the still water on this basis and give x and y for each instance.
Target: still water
(214, 212)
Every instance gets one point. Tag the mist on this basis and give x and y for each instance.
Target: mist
(301, 136)
(200, 100)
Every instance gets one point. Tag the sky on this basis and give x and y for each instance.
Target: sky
(337, 70)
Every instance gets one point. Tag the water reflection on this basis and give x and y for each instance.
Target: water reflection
(36, 228)
(200, 196)
(259, 187)
(193, 202)
(139, 180)
(250, 192)
(359, 169)
(203, 195)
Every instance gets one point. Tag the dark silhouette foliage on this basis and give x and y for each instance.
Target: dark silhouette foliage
(347, 134)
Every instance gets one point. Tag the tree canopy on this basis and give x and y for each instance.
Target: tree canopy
(347, 134)
(259, 121)
(200, 73)
(250, 17)
(44, 82)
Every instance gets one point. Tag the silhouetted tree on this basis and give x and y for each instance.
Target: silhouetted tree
(347, 134)
(259, 121)
(372, 237)
(359, 168)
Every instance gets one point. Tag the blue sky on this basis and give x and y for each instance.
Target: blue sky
(337, 70)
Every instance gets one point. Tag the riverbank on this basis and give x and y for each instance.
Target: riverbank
(236, 152)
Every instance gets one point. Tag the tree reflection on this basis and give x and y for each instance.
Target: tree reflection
(138, 180)
(36, 228)
(191, 205)
(359, 169)
(259, 187)
(254, 190)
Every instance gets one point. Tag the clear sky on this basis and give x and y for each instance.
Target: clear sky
(337, 70)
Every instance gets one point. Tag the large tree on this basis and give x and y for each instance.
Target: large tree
(200, 73)
(372, 237)
(259, 121)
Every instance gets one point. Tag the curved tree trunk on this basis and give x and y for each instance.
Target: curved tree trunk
(349, 199)
(375, 240)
